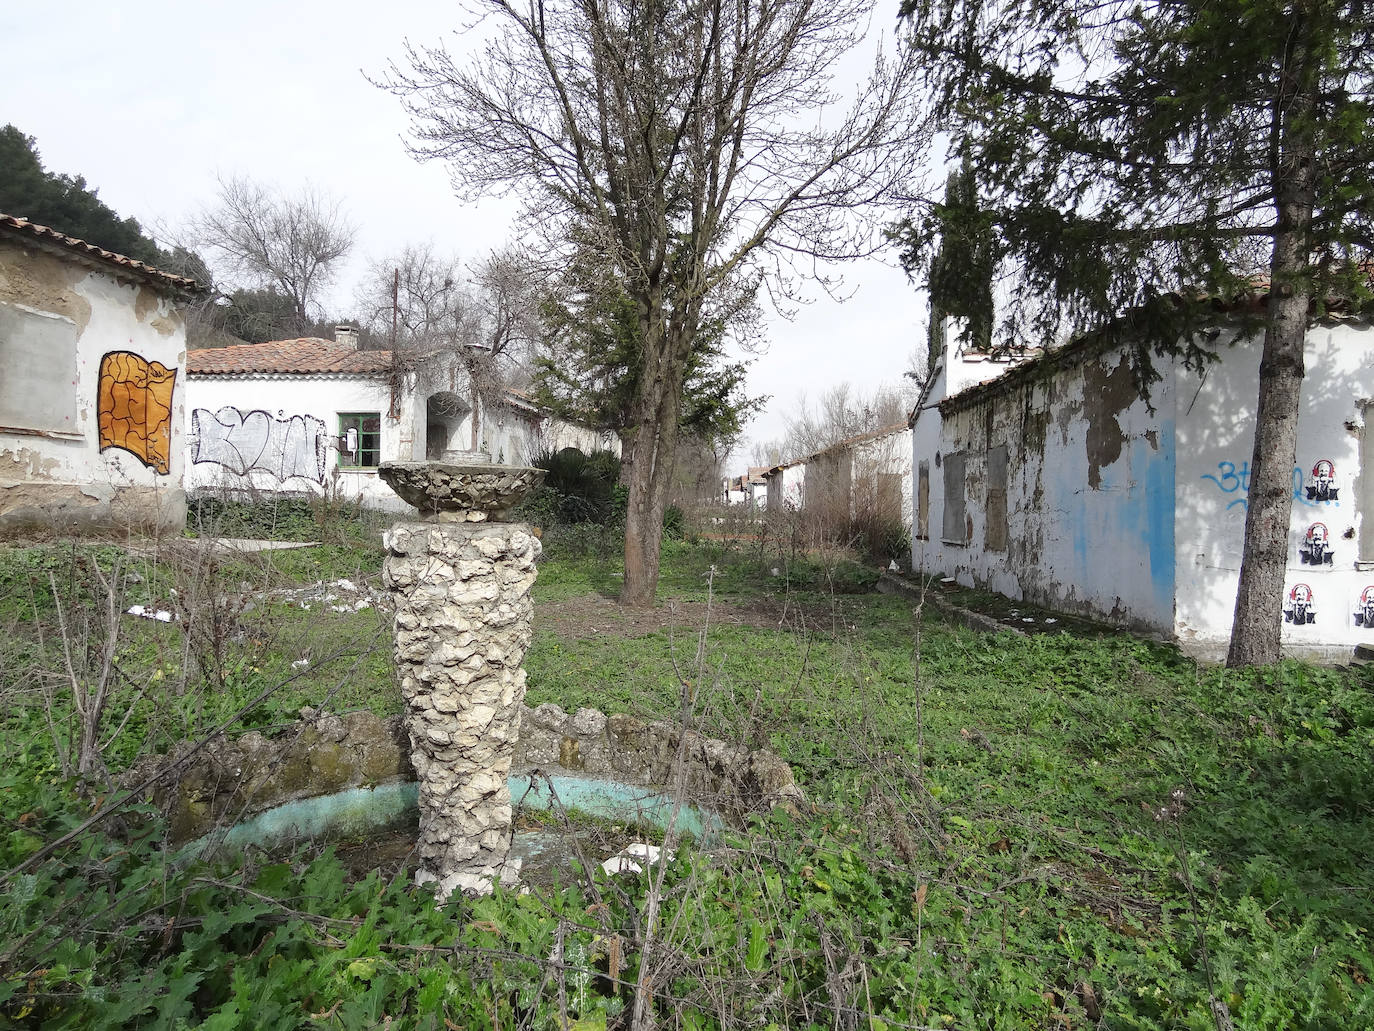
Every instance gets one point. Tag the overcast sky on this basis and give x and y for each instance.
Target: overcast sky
(152, 101)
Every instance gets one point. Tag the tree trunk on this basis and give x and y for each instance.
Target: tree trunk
(1258, 623)
(651, 458)
(1258, 620)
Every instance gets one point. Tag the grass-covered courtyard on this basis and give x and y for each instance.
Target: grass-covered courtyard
(1053, 831)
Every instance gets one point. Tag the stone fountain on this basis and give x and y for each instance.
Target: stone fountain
(460, 577)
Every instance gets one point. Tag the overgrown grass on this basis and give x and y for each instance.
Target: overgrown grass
(1006, 832)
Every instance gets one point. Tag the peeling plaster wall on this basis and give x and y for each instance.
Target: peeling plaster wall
(1084, 521)
(62, 478)
(1216, 412)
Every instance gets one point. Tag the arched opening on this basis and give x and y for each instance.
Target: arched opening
(445, 414)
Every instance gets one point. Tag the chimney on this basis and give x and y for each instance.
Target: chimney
(346, 336)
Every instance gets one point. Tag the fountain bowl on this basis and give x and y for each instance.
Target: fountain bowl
(466, 492)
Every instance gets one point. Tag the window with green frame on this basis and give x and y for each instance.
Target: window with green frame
(366, 452)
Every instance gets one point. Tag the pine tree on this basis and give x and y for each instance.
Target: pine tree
(63, 202)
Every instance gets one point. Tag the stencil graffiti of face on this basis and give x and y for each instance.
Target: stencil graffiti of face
(1316, 546)
(134, 408)
(1301, 606)
(1322, 485)
(1364, 611)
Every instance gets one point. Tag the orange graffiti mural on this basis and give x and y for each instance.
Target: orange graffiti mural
(134, 405)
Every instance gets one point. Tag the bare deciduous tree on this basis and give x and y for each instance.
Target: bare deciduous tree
(692, 140)
(486, 315)
(262, 237)
(839, 414)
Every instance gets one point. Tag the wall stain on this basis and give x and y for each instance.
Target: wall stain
(45, 282)
(26, 464)
(1105, 396)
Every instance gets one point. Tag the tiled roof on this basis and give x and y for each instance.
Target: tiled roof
(305, 356)
(124, 267)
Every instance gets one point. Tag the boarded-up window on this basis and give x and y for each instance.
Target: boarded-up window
(995, 534)
(954, 530)
(923, 501)
(38, 381)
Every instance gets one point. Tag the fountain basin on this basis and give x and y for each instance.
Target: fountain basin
(468, 492)
(358, 812)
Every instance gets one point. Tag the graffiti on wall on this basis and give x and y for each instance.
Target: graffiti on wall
(1315, 549)
(1301, 605)
(256, 441)
(134, 408)
(1322, 486)
(1364, 609)
(1318, 490)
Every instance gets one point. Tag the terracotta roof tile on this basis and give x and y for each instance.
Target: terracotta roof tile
(180, 286)
(304, 356)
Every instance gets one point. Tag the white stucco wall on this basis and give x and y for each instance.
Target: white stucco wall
(62, 476)
(1215, 443)
(317, 401)
(1139, 517)
(515, 436)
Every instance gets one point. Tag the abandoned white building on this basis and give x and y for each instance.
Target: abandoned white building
(863, 477)
(309, 415)
(750, 488)
(1055, 483)
(91, 347)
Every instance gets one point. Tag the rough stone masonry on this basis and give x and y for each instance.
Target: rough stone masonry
(462, 627)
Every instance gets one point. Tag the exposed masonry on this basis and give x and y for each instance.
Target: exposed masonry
(462, 627)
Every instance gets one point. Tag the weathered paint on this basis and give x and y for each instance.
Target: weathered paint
(60, 477)
(1138, 515)
(356, 812)
(1084, 486)
(1216, 438)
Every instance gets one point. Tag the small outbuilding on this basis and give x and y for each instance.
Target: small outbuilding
(306, 416)
(92, 349)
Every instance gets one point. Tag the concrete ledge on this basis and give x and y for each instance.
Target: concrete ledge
(890, 583)
(324, 754)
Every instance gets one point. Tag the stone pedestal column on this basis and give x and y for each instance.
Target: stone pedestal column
(462, 627)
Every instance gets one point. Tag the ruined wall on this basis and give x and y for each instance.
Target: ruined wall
(91, 406)
(1330, 581)
(513, 436)
(1054, 487)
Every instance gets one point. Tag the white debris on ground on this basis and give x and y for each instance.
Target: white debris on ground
(301, 664)
(337, 595)
(632, 857)
(148, 612)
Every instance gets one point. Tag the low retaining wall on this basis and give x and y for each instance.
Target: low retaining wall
(229, 780)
